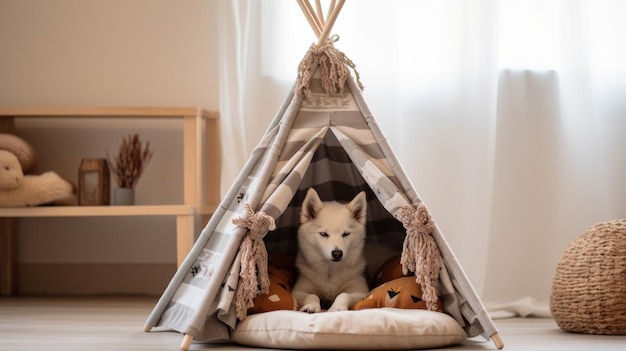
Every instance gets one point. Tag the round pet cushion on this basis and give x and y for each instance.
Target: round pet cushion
(589, 288)
(21, 149)
(370, 329)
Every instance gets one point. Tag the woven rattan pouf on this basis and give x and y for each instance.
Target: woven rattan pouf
(589, 287)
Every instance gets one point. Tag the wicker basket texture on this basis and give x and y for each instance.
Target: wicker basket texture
(589, 288)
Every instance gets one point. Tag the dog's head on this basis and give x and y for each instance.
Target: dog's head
(330, 229)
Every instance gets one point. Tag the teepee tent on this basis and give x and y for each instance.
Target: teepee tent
(323, 136)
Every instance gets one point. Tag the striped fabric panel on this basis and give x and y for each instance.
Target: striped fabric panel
(207, 269)
(386, 191)
(298, 161)
(458, 296)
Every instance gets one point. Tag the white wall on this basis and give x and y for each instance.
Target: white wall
(107, 53)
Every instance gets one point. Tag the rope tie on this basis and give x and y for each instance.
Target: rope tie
(254, 279)
(334, 65)
(420, 253)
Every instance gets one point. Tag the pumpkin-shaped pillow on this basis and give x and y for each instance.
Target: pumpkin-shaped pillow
(402, 292)
(281, 271)
(390, 270)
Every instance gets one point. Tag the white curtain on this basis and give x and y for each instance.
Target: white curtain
(509, 117)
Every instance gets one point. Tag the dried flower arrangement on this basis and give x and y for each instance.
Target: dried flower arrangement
(130, 162)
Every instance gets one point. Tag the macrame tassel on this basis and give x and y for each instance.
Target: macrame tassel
(420, 253)
(334, 71)
(254, 279)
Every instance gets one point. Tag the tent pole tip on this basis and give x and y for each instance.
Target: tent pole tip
(497, 341)
(184, 346)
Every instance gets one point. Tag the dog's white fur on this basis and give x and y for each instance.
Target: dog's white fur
(330, 258)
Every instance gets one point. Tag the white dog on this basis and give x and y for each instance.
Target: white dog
(330, 258)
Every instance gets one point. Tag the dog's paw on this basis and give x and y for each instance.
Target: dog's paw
(311, 308)
(337, 307)
(343, 301)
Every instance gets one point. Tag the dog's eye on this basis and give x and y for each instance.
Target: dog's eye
(324, 234)
(345, 234)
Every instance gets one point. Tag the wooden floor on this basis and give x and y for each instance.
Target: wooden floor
(116, 323)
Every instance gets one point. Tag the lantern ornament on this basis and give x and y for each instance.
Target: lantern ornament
(93, 182)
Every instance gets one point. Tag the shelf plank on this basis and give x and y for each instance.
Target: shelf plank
(108, 112)
(102, 211)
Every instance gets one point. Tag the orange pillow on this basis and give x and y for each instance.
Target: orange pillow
(390, 270)
(281, 271)
(402, 292)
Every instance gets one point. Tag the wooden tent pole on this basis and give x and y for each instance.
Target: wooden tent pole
(320, 12)
(330, 8)
(497, 341)
(310, 16)
(187, 339)
(329, 23)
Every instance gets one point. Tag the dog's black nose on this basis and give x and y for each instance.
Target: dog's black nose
(337, 255)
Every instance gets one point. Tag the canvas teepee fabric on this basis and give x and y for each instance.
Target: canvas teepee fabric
(330, 142)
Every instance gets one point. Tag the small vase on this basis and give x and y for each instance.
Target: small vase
(123, 196)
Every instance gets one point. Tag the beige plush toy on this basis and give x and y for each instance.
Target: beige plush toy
(19, 190)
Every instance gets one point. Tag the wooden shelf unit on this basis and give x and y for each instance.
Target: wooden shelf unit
(201, 177)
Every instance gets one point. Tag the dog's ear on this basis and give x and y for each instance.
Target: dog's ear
(311, 206)
(358, 207)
